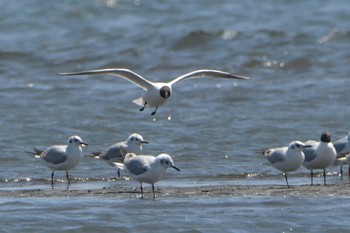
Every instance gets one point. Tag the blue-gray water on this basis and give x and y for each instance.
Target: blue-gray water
(297, 53)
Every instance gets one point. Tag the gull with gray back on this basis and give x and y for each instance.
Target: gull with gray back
(342, 146)
(286, 159)
(146, 168)
(62, 157)
(320, 155)
(112, 154)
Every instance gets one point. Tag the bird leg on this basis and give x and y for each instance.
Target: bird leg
(154, 195)
(341, 171)
(324, 177)
(118, 173)
(67, 177)
(155, 111)
(143, 108)
(52, 174)
(312, 177)
(285, 176)
(141, 191)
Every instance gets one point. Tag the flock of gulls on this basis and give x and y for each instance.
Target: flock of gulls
(128, 156)
(312, 154)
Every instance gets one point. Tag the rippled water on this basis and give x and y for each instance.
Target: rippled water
(296, 52)
(244, 214)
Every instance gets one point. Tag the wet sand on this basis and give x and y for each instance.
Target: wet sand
(188, 192)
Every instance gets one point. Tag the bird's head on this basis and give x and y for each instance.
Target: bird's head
(297, 145)
(167, 162)
(165, 92)
(136, 139)
(326, 137)
(76, 140)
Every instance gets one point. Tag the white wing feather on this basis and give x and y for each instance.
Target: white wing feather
(206, 73)
(133, 77)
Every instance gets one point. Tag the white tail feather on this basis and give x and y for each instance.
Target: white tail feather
(119, 166)
(139, 101)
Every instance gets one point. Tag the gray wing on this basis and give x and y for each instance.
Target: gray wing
(340, 144)
(133, 77)
(136, 165)
(275, 155)
(55, 154)
(113, 152)
(310, 152)
(207, 73)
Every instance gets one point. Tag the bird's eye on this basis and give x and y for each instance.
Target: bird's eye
(76, 140)
(70, 141)
(298, 145)
(167, 162)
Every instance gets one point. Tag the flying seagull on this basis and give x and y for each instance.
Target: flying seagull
(157, 93)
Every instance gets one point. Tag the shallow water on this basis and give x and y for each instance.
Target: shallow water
(231, 214)
(296, 53)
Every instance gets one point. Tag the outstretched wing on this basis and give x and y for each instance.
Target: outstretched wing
(206, 73)
(133, 77)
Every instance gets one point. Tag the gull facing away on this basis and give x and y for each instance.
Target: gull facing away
(146, 168)
(62, 157)
(157, 93)
(287, 159)
(342, 146)
(112, 154)
(320, 155)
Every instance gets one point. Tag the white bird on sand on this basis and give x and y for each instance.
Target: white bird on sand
(286, 159)
(320, 155)
(112, 154)
(157, 93)
(342, 146)
(62, 157)
(146, 168)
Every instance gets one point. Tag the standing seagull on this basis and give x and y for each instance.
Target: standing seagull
(320, 155)
(62, 157)
(112, 154)
(157, 93)
(287, 159)
(342, 146)
(146, 168)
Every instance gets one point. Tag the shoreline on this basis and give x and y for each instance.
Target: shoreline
(187, 192)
